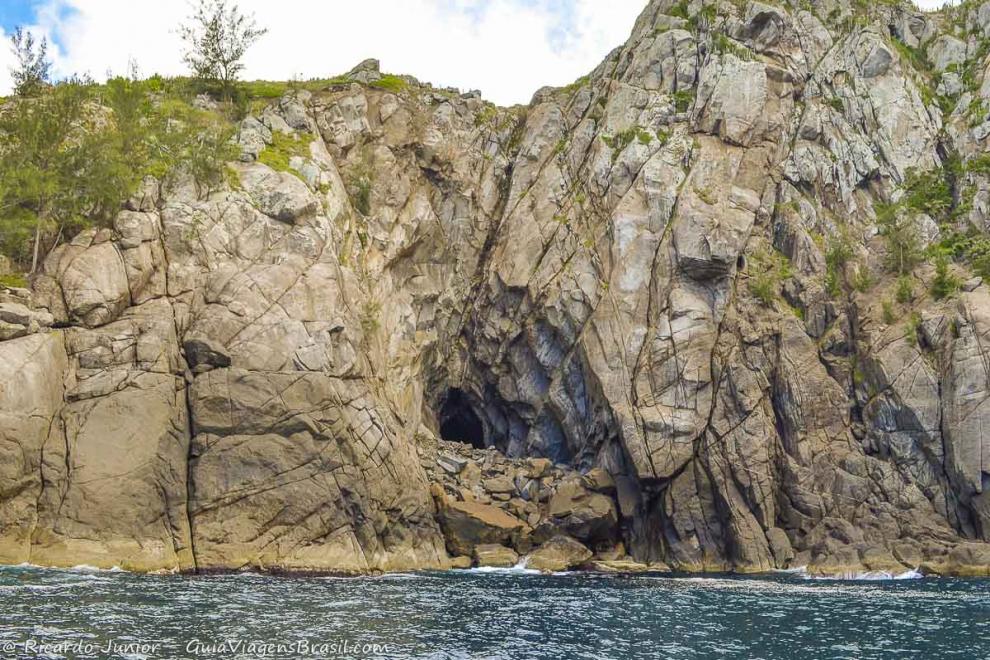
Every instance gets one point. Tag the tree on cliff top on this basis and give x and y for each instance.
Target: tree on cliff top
(32, 69)
(217, 37)
(53, 171)
(71, 155)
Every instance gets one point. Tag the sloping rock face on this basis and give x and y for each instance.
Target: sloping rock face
(256, 377)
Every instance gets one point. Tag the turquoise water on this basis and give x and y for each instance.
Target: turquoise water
(488, 615)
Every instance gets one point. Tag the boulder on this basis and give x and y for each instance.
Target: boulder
(585, 515)
(468, 524)
(451, 464)
(279, 195)
(965, 559)
(560, 553)
(538, 467)
(495, 556)
(946, 51)
(367, 71)
(598, 480)
(85, 282)
(253, 137)
(499, 485)
(15, 313)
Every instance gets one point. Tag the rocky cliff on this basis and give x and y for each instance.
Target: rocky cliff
(672, 279)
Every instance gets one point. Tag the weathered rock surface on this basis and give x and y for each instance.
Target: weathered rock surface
(624, 298)
(558, 554)
(495, 556)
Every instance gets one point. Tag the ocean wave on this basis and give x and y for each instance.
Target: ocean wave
(518, 569)
(86, 568)
(79, 568)
(867, 576)
(797, 570)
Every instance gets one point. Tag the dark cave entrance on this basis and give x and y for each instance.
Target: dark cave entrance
(459, 422)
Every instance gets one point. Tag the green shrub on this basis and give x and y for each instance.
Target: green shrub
(863, 279)
(727, 46)
(283, 149)
(576, 85)
(928, 192)
(945, 283)
(362, 196)
(905, 290)
(72, 155)
(839, 253)
(767, 273)
(903, 243)
(683, 100)
(390, 83)
(680, 10)
(486, 115)
(16, 280)
(888, 314)
(913, 330)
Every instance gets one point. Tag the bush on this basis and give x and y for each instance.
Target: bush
(60, 170)
(72, 155)
(903, 243)
(928, 192)
(905, 290)
(390, 83)
(14, 280)
(283, 149)
(768, 272)
(945, 283)
(888, 315)
(913, 333)
(683, 100)
(362, 195)
(839, 253)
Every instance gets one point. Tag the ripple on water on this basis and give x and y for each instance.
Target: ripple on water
(513, 613)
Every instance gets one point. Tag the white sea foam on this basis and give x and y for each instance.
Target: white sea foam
(79, 568)
(797, 570)
(86, 568)
(518, 569)
(868, 576)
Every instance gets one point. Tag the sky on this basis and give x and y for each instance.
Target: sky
(506, 48)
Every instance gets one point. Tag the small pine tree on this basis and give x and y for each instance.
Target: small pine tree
(32, 69)
(905, 289)
(43, 164)
(903, 243)
(217, 37)
(945, 283)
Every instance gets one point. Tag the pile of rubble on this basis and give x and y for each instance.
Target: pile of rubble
(497, 511)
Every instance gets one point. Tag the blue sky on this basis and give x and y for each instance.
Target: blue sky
(506, 48)
(16, 12)
(31, 12)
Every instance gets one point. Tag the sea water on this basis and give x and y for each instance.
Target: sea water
(488, 614)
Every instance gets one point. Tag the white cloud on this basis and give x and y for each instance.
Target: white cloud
(506, 48)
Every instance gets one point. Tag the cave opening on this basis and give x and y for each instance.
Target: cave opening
(459, 422)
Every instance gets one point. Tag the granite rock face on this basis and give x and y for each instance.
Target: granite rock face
(623, 298)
